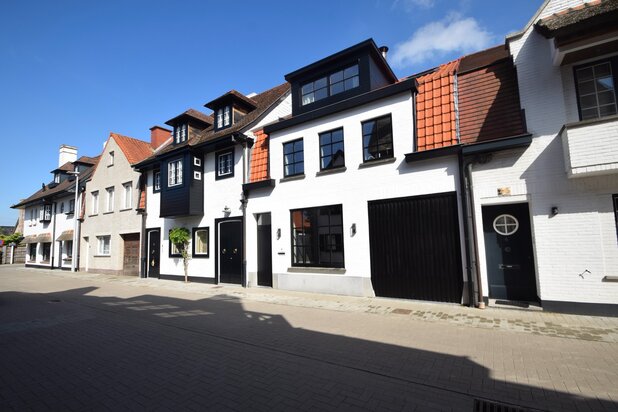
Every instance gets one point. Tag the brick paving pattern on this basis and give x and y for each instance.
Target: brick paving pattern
(89, 342)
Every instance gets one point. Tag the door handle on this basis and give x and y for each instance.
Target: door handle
(152, 263)
(503, 266)
(223, 251)
(235, 251)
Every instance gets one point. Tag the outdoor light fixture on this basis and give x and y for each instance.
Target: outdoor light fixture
(279, 233)
(227, 210)
(353, 229)
(554, 210)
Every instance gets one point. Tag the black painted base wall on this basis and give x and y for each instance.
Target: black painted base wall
(577, 308)
(194, 279)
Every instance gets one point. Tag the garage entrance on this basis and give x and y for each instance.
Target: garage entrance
(415, 249)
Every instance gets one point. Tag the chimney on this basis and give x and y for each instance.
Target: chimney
(66, 154)
(383, 50)
(158, 136)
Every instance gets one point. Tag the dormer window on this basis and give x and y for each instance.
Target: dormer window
(223, 117)
(56, 177)
(330, 85)
(180, 133)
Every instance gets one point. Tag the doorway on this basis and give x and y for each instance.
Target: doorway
(264, 250)
(508, 249)
(229, 250)
(154, 251)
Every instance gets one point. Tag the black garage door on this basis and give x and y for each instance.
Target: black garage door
(415, 249)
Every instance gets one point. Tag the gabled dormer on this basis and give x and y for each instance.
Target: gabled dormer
(188, 124)
(230, 108)
(348, 73)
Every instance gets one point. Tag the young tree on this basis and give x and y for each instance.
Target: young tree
(180, 237)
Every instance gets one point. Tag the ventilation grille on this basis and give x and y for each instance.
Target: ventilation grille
(481, 405)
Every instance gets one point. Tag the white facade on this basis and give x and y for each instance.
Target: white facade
(352, 189)
(571, 169)
(219, 195)
(56, 252)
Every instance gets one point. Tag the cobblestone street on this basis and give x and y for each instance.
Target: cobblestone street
(94, 342)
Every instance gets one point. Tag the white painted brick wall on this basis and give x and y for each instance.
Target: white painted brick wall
(583, 234)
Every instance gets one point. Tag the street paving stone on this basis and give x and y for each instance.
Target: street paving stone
(81, 341)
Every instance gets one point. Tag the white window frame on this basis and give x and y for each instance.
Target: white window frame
(101, 249)
(127, 195)
(109, 204)
(174, 173)
(156, 183)
(111, 158)
(226, 116)
(94, 197)
(196, 243)
(227, 154)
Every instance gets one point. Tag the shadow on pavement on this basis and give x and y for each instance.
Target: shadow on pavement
(70, 350)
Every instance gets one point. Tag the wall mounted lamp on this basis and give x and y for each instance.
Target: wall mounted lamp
(353, 229)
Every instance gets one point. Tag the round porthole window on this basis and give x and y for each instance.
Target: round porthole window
(506, 225)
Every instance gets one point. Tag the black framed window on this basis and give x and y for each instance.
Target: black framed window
(224, 116)
(377, 138)
(331, 149)
(317, 236)
(615, 199)
(180, 133)
(225, 164)
(596, 93)
(293, 158)
(173, 250)
(32, 252)
(201, 242)
(71, 206)
(156, 178)
(174, 173)
(46, 251)
(329, 85)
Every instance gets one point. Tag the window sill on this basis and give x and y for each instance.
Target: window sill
(199, 256)
(321, 270)
(292, 178)
(102, 255)
(377, 162)
(69, 213)
(108, 213)
(124, 210)
(96, 214)
(227, 176)
(331, 171)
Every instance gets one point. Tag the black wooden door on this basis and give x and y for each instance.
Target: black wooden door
(415, 249)
(265, 264)
(508, 250)
(230, 251)
(154, 249)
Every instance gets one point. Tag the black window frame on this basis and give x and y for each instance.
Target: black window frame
(47, 213)
(376, 129)
(45, 248)
(154, 181)
(181, 133)
(182, 177)
(302, 151)
(217, 156)
(230, 118)
(322, 241)
(71, 207)
(615, 201)
(613, 62)
(32, 256)
(329, 83)
(169, 247)
(194, 243)
(331, 144)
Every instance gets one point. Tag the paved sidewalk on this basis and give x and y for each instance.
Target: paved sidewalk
(92, 342)
(594, 328)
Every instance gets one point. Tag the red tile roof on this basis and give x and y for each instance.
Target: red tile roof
(259, 157)
(435, 108)
(134, 150)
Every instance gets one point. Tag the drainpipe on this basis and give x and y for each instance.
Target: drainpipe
(246, 142)
(470, 221)
(467, 242)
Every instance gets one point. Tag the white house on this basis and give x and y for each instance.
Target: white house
(50, 213)
(555, 201)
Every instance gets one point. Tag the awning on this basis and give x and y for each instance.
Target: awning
(44, 238)
(29, 239)
(66, 235)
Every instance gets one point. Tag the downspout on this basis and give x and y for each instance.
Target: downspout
(471, 219)
(53, 239)
(78, 226)
(470, 262)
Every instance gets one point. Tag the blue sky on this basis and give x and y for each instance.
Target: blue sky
(72, 71)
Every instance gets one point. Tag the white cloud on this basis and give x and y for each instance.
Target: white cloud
(434, 40)
(411, 5)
